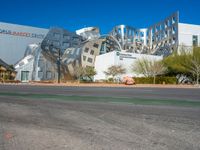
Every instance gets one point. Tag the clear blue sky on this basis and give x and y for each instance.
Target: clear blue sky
(75, 14)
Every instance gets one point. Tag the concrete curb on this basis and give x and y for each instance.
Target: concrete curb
(106, 85)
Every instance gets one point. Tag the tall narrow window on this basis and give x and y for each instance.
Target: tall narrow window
(195, 40)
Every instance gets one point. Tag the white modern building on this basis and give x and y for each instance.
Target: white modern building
(15, 38)
(126, 60)
(189, 34)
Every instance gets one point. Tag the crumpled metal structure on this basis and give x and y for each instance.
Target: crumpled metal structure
(76, 50)
(80, 48)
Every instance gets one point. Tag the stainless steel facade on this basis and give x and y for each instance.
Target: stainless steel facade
(162, 38)
(159, 39)
(80, 48)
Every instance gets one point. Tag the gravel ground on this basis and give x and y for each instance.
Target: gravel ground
(29, 124)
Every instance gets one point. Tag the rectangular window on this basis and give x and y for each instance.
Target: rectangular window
(89, 60)
(166, 24)
(30, 59)
(86, 50)
(131, 32)
(84, 58)
(76, 39)
(195, 40)
(141, 34)
(40, 74)
(119, 31)
(40, 63)
(48, 64)
(21, 64)
(48, 74)
(173, 20)
(56, 35)
(56, 43)
(66, 37)
(96, 45)
(24, 76)
(66, 44)
(92, 52)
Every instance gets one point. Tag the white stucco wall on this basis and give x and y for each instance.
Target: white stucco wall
(185, 33)
(103, 62)
(15, 38)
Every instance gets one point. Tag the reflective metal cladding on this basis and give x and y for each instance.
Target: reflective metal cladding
(80, 48)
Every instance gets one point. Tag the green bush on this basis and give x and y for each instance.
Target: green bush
(159, 80)
(6, 77)
(110, 80)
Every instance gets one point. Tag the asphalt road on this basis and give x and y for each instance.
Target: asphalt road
(31, 120)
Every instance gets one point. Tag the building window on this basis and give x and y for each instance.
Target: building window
(56, 43)
(76, 39)
(92, 52)
(89, 60)
(49, 74)
(30, 59)
(84, 58)
(173, 20)
(96, 45)
(40, 74)
(24, 76)
(40, 63)
(195, 40)
(66, 37)
(141, 34)
(174, 30)
(130, 32)
(174, 40)
(166, 33)
(86, 50)
(21, 64)
(166, 24)
(119, 31)
(162, 26)
(56, 35)
(157, 28)
(66, 44)
(48, 64)
(169, 23)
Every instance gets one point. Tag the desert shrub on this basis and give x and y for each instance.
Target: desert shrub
(159, 80)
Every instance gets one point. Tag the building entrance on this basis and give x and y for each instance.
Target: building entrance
(24, 76)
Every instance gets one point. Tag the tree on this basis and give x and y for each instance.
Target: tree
(81, 72)
(89, 72)
(149, 68)
(115, 70)
(78, 72)
(174, 63)
(185, 62)
(192, 63)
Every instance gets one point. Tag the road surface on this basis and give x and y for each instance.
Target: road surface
(80, 118)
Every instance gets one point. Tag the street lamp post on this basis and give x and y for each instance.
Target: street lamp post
(51, 46)
(58, 63)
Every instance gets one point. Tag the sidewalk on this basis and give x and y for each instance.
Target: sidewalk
(114, 85)
(105, 85)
